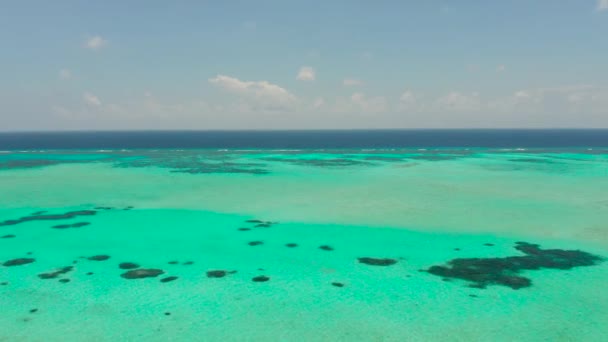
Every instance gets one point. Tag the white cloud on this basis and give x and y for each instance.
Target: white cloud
(95, 43)
(318, 103)
(410, 100)
(408, 97)
(351, 82)
(364, 104)
(502, 67)
(564, 106)
(306, 73)
(65, 74)
(91, 99)
(459, 101)
(61, 111)
(263, 93)
(602, 5)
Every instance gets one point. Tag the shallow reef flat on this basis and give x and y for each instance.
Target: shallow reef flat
(382, 245)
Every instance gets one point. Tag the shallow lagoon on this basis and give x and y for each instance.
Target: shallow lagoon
(180, 212)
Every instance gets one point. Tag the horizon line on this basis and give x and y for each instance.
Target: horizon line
(300, 130)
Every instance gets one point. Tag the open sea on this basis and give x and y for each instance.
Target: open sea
(395, 235)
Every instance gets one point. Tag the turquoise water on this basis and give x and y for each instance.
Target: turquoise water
(179, 211)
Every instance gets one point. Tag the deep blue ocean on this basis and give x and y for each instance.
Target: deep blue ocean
(300, 139)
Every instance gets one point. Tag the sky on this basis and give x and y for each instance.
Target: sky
(282, 64)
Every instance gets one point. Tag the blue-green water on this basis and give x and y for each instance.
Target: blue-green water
(416, 208)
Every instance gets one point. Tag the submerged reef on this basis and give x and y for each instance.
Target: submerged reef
(168, 279)
(481, 272)
(73, 225)
(127, 265)
(18, 262)
(377, 261)
(99, 257)
(142, 273)
(68, 215)
(260, 279)
(216, 274)
(55, 274)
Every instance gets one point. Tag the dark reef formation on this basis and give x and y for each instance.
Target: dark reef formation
(127, 265)
(142, 273)
(18, 262)
(73, 225)
(168, 279)
(216, 274)
(98, 257)
(481, 272)
(219, 273)
(377, 261)
(68, 215)
(260, 279)
(55, 274)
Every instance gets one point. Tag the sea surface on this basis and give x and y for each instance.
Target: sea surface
(304, 236)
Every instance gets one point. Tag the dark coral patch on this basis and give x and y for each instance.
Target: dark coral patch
(90, 273)
(4, 283)
(187, 263)
(8, 236)
(336, 284)
(173, 262)
(142, 273)
(55, 274)
(216, 274)
(64, 280)
(127, 265)
(291, 245)
(488, 244)
(167, 314)
(481, 272)
(326, 248)
(18, 262)
(73, 225)
(255, 243)
(33, 310)
(254, 221)
(99, 257)
(68, 215)
(263, 225)
(103, 208)
(244, 229)
(168, 279)
(377, 261)
(260, 279)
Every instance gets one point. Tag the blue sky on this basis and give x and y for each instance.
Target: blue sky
(303, 64)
